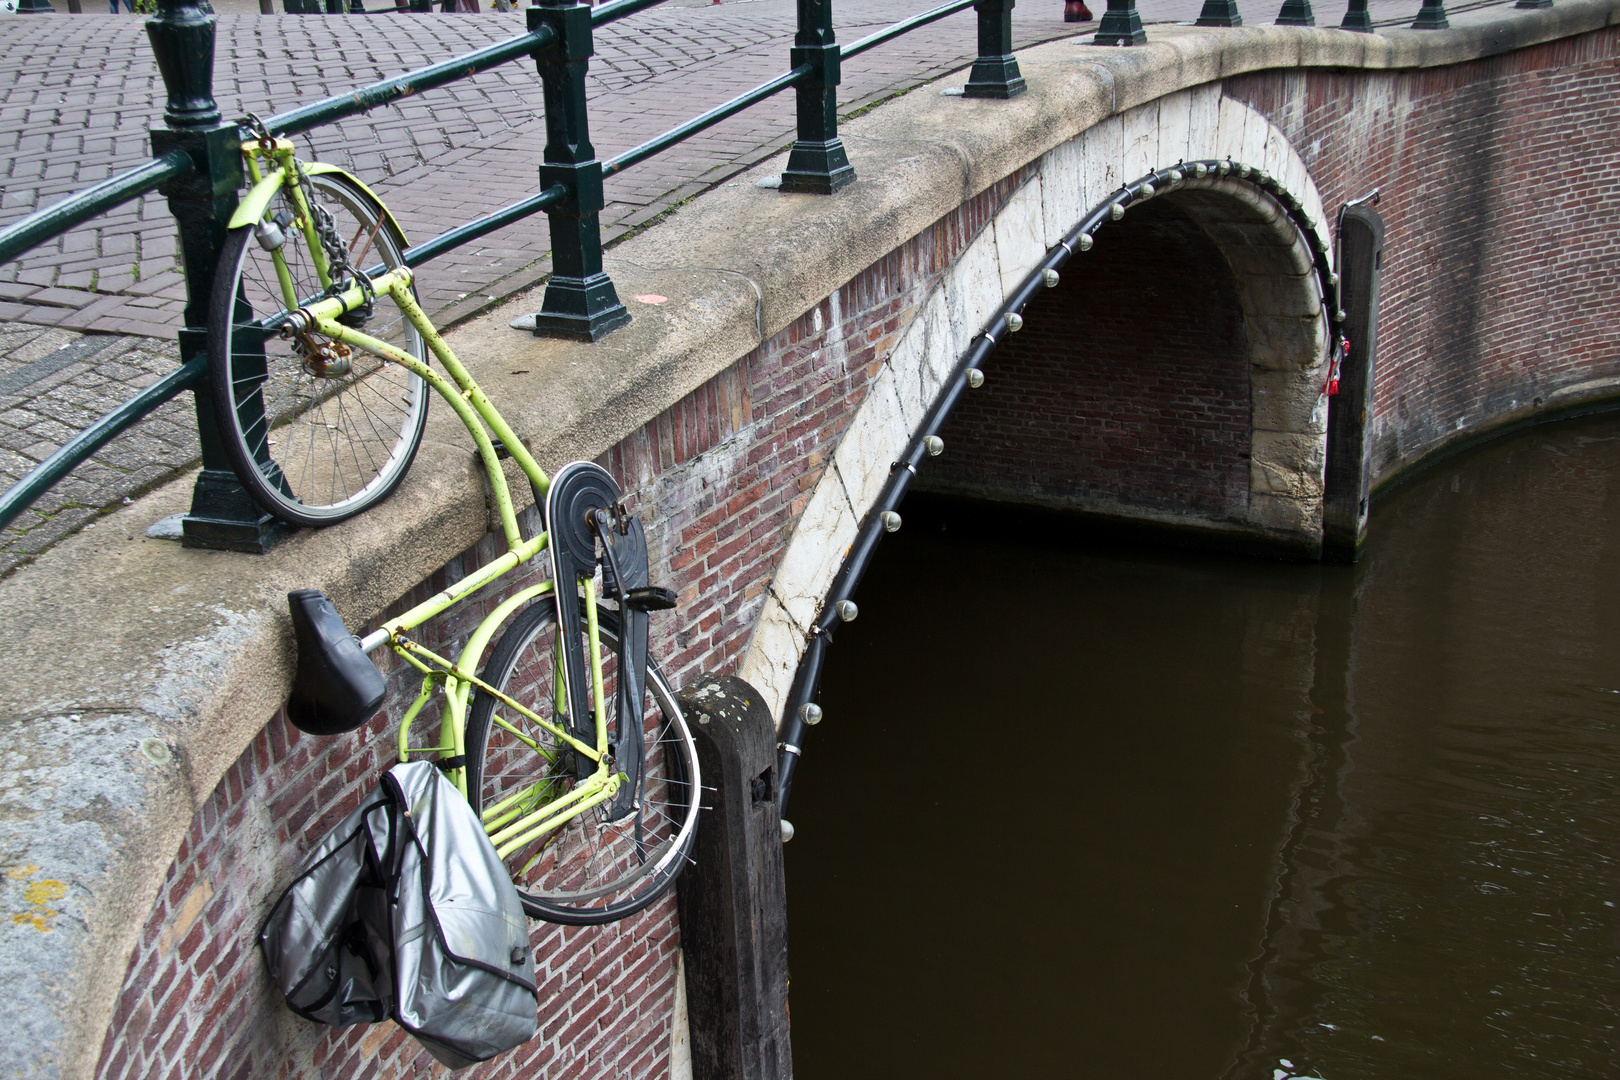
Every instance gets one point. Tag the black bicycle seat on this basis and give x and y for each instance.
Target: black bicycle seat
(336, 687)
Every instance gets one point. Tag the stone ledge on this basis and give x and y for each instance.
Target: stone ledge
(137, 640)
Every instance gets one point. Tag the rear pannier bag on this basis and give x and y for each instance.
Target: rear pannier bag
(405, 911)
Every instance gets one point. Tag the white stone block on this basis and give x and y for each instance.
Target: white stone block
(1255, 130)
(1293, 174)
(1020, 234)
(1175, 117)
(1102, 168)
(1062, 189)
(1139, 142)
(773, 656)
(905, 364)
(825, 531)
(875, 439)
(1233, 119)
(973, 289)
(1277, 153)
(1203, 119)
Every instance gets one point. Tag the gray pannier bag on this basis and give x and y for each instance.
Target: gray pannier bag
(405, 911)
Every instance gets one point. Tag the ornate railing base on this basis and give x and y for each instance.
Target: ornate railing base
(1296, 13)
(1122, 25)
(1220, 13)
(224, 517)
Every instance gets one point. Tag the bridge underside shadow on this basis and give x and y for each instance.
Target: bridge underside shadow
(1150, 388)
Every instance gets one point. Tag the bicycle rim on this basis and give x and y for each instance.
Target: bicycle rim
(589, 870)
(312, 449)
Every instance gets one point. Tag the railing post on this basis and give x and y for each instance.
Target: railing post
(1219, 13)
(995, 72)
(1121, 25)
(1296, 13)
(222, 515)
(580, 302)
(817, 164)
(1431, 16)
(1357, 18)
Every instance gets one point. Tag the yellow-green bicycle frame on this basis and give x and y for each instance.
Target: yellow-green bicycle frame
(531, 812)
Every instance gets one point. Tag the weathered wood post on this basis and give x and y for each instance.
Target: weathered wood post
(1346, 480)
(222, 515)
(733, 898)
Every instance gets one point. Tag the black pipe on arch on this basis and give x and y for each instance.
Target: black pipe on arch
(807, 679)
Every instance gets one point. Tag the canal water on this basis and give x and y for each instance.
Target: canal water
(1081, 808)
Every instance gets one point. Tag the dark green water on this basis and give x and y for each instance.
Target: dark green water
(1081, 810)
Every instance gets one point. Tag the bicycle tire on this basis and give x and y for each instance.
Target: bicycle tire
(589, 871)
(311, 449)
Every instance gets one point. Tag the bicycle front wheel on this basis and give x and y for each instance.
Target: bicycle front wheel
(588, 870)
(314, 443)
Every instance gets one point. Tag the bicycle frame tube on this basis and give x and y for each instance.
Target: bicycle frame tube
(530, 813)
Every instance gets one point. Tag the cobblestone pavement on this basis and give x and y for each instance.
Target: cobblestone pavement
(82, 93)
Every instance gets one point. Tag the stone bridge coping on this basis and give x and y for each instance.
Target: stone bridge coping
(138, 671)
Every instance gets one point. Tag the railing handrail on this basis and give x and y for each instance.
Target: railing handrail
(27, 233)
(904, 26)
(340, 106)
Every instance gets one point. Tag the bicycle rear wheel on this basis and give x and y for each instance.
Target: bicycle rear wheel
(313, 445)
(589, 870)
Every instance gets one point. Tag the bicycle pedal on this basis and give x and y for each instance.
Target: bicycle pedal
(651, 598)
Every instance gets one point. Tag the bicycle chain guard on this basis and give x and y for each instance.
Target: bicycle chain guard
(578, 492)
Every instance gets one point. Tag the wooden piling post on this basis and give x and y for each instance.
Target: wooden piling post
(733, 898)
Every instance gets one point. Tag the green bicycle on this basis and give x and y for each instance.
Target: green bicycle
(569, 741)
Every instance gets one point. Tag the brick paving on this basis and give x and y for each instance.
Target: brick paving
(82, 93)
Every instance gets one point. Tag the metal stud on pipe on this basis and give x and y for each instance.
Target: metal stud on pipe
(1015, 321)
(1049, 278)
(975, 378)
(934, 445)
(847, 611)
(810, 713)
(891, 521)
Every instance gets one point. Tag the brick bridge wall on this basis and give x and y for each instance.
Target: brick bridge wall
(1121, 393)
(1154, 411)
(1502, 237)
(719, 479)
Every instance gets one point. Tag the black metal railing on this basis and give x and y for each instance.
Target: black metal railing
(1122, 24)
(197, 165)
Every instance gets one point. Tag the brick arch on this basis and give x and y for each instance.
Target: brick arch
(1265, 220)
(1170, 376)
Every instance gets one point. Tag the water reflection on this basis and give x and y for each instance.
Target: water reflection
(1085, 810)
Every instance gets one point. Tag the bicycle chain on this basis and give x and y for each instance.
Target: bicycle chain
(337, 255)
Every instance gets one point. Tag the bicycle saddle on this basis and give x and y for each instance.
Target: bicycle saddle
(336, 687)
